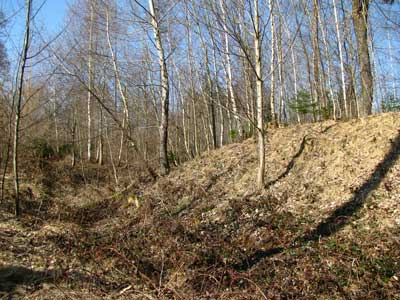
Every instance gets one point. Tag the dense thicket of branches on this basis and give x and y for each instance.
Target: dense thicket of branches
(106, 88)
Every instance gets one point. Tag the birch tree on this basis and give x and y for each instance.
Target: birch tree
(90, 80)
(229, 70)
(272, 62)
(164, 89)
(342, 70)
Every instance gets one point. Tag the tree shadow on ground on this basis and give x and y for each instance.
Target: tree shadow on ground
(289, 167)
(326, 129)
(340, 216)
(13, 276)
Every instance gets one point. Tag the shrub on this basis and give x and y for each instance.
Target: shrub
(303, 103)
(42, 149)
(172, 157)
(391, 104)
(233, 134)
(65, 149)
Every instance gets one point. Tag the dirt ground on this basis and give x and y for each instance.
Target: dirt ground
(327, 225)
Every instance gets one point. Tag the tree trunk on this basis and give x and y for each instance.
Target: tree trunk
(210, 101)
(316, 55)
(280, 72)
(360, 23)
(18, 105)
(118, 85)
(377, 77)
(393, 77)
(55, 121)
(229, 83)
(294, 64)
(342, 71)
(100, 159)
(310, 84)
(272, 88)
(259, 95)
(164, 92)
(89, 117)
(326, 47)
(73, 159)
(192, 116)
(353, 82)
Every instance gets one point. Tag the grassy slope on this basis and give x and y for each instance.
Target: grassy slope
(326, 226)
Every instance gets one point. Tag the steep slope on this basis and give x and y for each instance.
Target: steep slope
(325, 227)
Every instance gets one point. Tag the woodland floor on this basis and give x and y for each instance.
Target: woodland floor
(327, 226)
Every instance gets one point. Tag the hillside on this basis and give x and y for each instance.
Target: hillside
(327, 225)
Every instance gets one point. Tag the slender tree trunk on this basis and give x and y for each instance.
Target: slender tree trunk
(100, 159)
(73, 160)
(375, 69)
(195, 150)
(195, 129)
(125, 120)
(353, 81)
(210, 101)
(19, 103)
(310, 84)
(316, 55)
(89, 100)
(328, 57)
(229, 83)
(7, 152)
(280, 72)
(111, 155)
(55, 121)
(183, 109)
(260, 104)
(249, 102)
(218, 96)
(272, 88)
(295, 82)
(207, 137)
(294, 65)
(342, 70)
(164, 92)
(391, 66)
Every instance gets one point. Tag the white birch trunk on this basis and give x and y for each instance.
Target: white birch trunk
(89, 117)
(229, 72)
(342, 71)
(272, 71)
(164, 91)
(328, 57)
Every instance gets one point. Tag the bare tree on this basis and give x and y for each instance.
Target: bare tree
(162, 60)
(272, 64)
(18, 103)
(259, 96)
(229, 70)
(90, 80)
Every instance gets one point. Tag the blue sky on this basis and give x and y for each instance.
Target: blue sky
(49, 20)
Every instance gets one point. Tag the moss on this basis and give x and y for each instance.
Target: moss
(182, 205)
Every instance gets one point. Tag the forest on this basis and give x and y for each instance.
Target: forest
(200, 149)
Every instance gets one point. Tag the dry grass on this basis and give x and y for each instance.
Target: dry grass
(325, 227)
